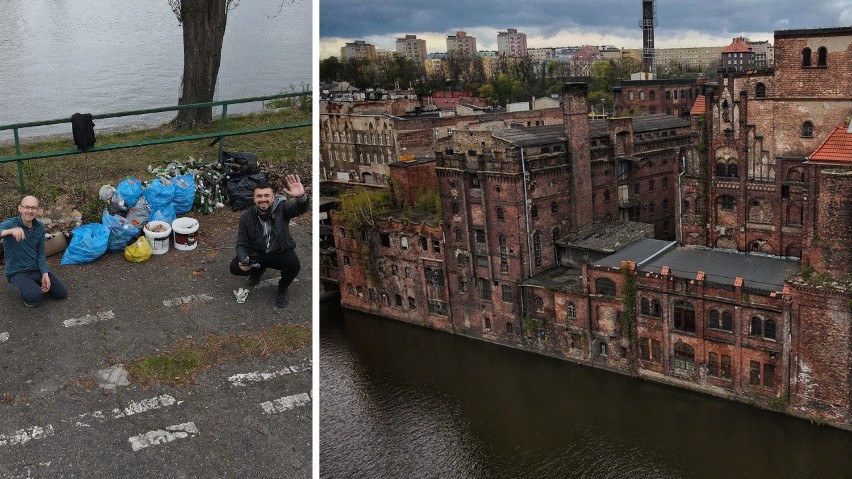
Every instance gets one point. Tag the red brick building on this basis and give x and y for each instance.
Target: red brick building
(538, 247)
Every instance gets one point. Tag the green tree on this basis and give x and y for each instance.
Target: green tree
(488, 92)
(331, 70)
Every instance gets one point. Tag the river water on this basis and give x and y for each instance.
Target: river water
(401, 401)
(58, 57)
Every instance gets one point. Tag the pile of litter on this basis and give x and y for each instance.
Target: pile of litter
(177, 189)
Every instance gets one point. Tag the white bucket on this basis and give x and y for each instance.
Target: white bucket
(185, 233)
(159, 240)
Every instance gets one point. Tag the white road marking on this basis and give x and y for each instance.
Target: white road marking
(163, 436)
(286, 403)
(133, 407)
(89, 318)
(242, 379)
(193, 298)
(24, 436)
(4, 337)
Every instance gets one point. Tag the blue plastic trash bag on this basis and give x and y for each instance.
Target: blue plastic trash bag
(88, 243)
(184, 193)
(163, 213)
(160, 192)
(121, 232)
(130, 190)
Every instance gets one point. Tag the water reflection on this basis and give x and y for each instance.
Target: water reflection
(401, 401)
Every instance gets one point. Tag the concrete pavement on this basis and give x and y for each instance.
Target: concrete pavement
(53, 423)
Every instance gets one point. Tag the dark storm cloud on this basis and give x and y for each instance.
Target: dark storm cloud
(355, 19)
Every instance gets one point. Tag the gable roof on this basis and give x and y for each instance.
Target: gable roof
(837, 148)
(737, 46)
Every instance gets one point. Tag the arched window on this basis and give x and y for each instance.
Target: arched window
(636, 188)
(732, 170)
(652, 95)
(806, 57)
(727, 321)
(554, 207)
(534, 211)
(487, 324)
(555, 234)
(807, 129)
(665, 205)
(769, 329)
(651, 207)
(458, 234)
(713, 320)
(721, 169)
(538, 304)
(822, 57)
(605, 286)
(760, 90)
(500, 214)
(606, 195)
(684, 357)
(796, 174)
(455, 208)
(684, 317)
(570, 310)
(650, 185)
(756, 326)
(655, 309)
(537, 249)
(644, 306)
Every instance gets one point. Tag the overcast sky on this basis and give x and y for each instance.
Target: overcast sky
(552, 23)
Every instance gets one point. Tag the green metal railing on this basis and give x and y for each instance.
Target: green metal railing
(220, 135)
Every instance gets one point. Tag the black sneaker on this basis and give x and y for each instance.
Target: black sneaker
(30, 305)
(282, 300)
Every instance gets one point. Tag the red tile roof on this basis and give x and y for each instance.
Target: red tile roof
(737, 46)
(836, 148)
(698, 106)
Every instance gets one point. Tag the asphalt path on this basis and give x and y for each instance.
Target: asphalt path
(246, 418)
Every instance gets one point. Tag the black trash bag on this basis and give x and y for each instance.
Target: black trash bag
(238, 163)
(83, 130)
(241, 190)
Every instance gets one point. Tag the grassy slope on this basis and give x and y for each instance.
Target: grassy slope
(80, 176)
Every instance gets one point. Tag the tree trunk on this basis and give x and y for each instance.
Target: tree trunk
(203, 31)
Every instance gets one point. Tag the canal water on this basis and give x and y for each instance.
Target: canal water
(401, 401)
(58, 57)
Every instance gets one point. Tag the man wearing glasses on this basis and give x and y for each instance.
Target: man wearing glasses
(26, 263)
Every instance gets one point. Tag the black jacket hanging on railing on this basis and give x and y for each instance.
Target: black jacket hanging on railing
(83, 129)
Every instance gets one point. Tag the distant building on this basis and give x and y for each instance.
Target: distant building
(738, 56)
(673, 97)
(461, 44)
(690, 59)
(512, 43)
(412, 48)
(359, 50)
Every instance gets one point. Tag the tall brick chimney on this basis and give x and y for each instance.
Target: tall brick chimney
(575, 114)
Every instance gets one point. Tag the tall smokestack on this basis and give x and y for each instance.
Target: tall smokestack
(649, 21)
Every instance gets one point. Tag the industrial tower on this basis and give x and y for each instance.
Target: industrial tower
(648, 23)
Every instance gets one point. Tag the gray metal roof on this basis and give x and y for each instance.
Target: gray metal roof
(547, 134)
(762, 273)
(559, 278)
(607, 237)
(532, 135)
